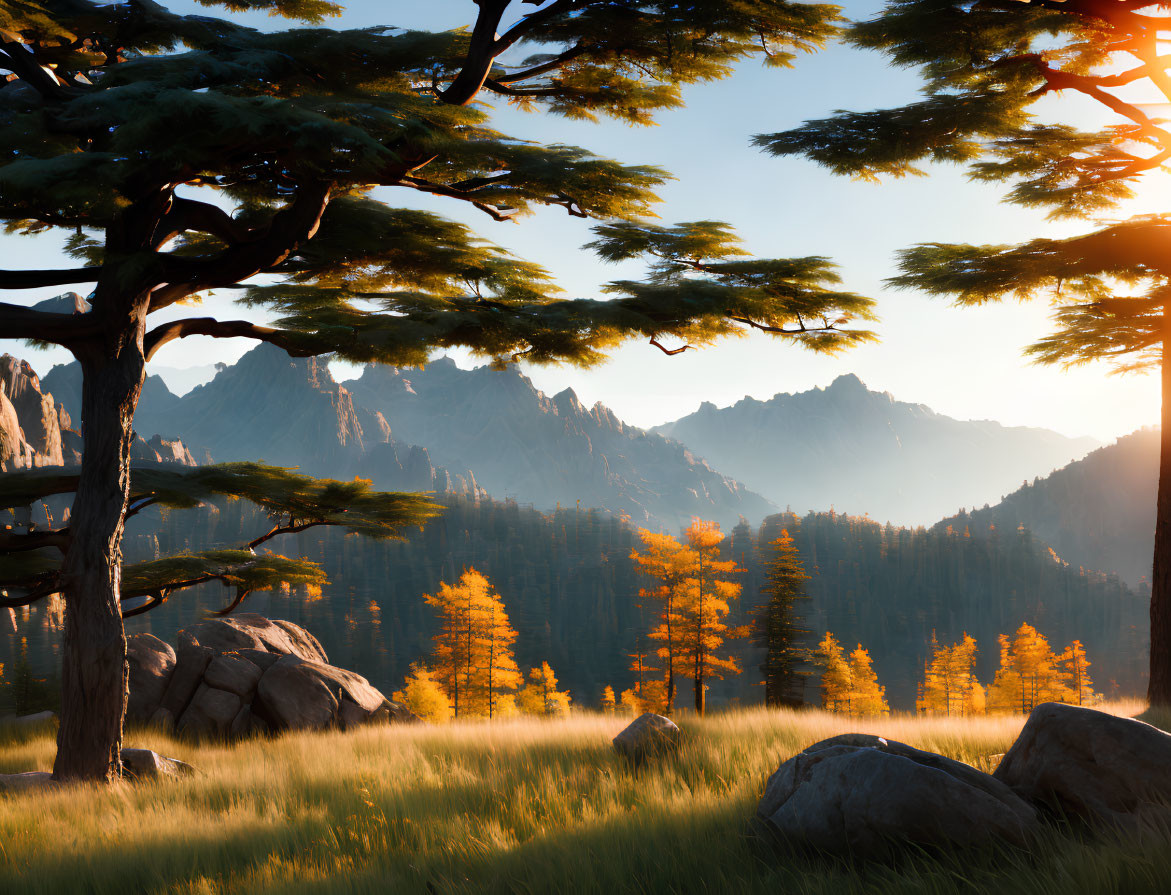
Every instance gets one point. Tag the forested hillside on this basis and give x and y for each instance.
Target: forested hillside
(570, 588)
(1098, 512)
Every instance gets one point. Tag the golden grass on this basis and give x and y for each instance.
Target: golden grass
(516, 806)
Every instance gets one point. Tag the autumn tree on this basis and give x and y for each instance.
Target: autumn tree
(703, 605)
(984, 65)
(849, 684)
(1075, 667)
(179, 154)
(779, 627)
(949, 680)
(472, 650)
(541, 696)
(608, 701)
(1028, 673)
(495, 673)
(424, 696)
(668, 563)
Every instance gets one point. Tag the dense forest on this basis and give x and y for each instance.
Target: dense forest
(571, 591)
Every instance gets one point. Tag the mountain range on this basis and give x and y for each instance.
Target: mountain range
(861, 451)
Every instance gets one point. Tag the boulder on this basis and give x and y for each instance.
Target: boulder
(151, 664)
(27, 780)
(1091, 766)
(45, 717)
(143, 764)
(234, 673)
(210, 712)
(292, 696)
(647, 735)
(251, 631)
(866, 796)
(191, 660)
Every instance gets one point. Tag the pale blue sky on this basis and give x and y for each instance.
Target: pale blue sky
(965, 363)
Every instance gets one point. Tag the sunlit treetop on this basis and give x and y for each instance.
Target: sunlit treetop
(984, 65)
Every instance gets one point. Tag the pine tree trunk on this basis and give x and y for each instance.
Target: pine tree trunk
(93, 669)
(1159, 689)
(700, 694)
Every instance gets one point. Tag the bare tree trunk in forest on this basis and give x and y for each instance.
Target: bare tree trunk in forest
(93, 667)
(1159, 688)
(671, 686)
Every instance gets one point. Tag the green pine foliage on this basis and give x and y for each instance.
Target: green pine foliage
(284, 502)
(779, 628)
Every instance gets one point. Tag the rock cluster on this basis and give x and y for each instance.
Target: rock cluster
(245, 673)
(865, 796)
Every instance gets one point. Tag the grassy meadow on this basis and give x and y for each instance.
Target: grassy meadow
(518, 806)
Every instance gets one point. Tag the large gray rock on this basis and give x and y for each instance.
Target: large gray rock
(27, 780)
(251, 631)
(211, 712)
(234, 673)
(647, 736)
(295, 694)
(192, 659)
(144, 764)
(1090, 765)
(866, 796)
(152, 662)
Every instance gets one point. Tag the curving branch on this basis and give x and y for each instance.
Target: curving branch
(11, 542)
(19, 322)
(671, 352)
(294, 224)
(222, 329)
(35, 279)
(202, 217)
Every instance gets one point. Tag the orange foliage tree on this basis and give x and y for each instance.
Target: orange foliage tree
(949, 682)
(668, 562)
(703, 606)
(1075, 665)
(1028, 673)
(472, 651)
(849, 686)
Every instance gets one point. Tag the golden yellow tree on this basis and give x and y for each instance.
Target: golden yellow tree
(868, 697)
(949, 682)
(668, 562)
(702, 606)
(472, 651)
(1075, 664)
(608, 701)
(837, 683)
(541, 696)
(494, 670)
(424, 696)
(1028, 673)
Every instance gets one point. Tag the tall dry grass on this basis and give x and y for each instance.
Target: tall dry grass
(521, 806)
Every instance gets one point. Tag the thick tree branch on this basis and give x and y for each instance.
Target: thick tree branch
(19, 322)
(481, 54)
(453, 192)
(202, 217)
(220, 329)
(36, 279)
(288, 229)
(671, 352)
(11, 542)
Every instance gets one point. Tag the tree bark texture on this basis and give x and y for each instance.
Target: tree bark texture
(94, 670)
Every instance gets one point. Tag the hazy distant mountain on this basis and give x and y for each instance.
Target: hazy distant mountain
(544, 451)
(291, 412)
(1098, 512)
(181, 380)
(864, 452)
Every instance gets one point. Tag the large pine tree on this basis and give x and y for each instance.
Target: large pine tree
(985, 63)
(187, 153)
(779, 627)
